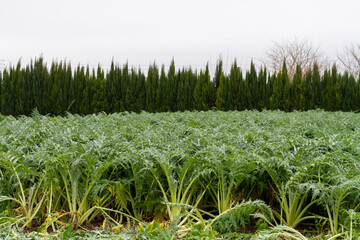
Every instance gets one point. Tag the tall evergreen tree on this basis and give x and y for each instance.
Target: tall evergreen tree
(140, 92)
(190, 83)
(6, 98)
(218, 72)
(176, 90)
(113, 86)
(28, 97)
(298, 93)
(316, 87)
(98, 89)
(19, 93)
(130, 91)
(203, 91)
(219, 103)
(152, 88)
(170, 89)
(38, 80)
(247, 91)
(276, 99)
(236, 86)
(309, 92)
(254, 87)
(262, 89)
(348, 92)
(56, 93)
(286, 90)
(332, 90)
(78, 89)
(357, 95)
(162, 90)
(269, 90)
(124, 82)
(241, 91)
(182, 91)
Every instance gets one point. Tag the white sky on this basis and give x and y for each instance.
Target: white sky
(192, 31)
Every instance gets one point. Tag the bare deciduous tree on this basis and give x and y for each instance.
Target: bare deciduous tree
(350, 59)
(294, 53)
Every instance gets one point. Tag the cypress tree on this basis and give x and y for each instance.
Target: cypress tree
(48, 100)
(276, 99)
(241, 90)
(218, 72)
(38, 79)
(348, 92)
(182, 91)
(332, 90)
(98, 92)
(113, 87)
(80, 88)
(236, 81)
(247, 91)
(203, 98)
(170, 91)
(124, 82)
(6, 93)
(198, 98)
(28, 98)
(328, 93)
(286, 89)
(298, 96)
(140, 92)
(56, 92)
(72, 93)
(190, 83)
(162, 90)
(316, 87)
(345, 92)
(253, 87)
(269, 90)
(227, 93)
(110, 87)
(352, 96)
(130, 91)
(117, 88)
(176, 90)
(357, 94)
(66, 86)
(19, 91)
(152, 88)
(12, 90)
(86, 92)
(308, 91)
(219, 103)
(262, 89)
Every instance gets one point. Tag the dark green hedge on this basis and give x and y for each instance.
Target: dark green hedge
(59, 88)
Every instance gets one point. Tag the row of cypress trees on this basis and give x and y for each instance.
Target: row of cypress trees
(82, 90)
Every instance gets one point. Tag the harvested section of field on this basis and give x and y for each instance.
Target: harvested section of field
(191, 174)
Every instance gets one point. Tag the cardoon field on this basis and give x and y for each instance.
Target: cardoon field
(190, 175)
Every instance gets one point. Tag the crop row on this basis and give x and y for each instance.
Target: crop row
(216, 172)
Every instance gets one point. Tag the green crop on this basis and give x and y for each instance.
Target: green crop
(175, 174)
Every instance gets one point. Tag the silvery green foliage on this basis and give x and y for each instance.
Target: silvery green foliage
(133, 163)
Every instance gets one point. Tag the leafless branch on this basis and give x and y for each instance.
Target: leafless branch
(294, 53)
(350, 59)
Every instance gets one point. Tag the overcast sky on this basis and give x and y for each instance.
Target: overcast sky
(190, 31)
